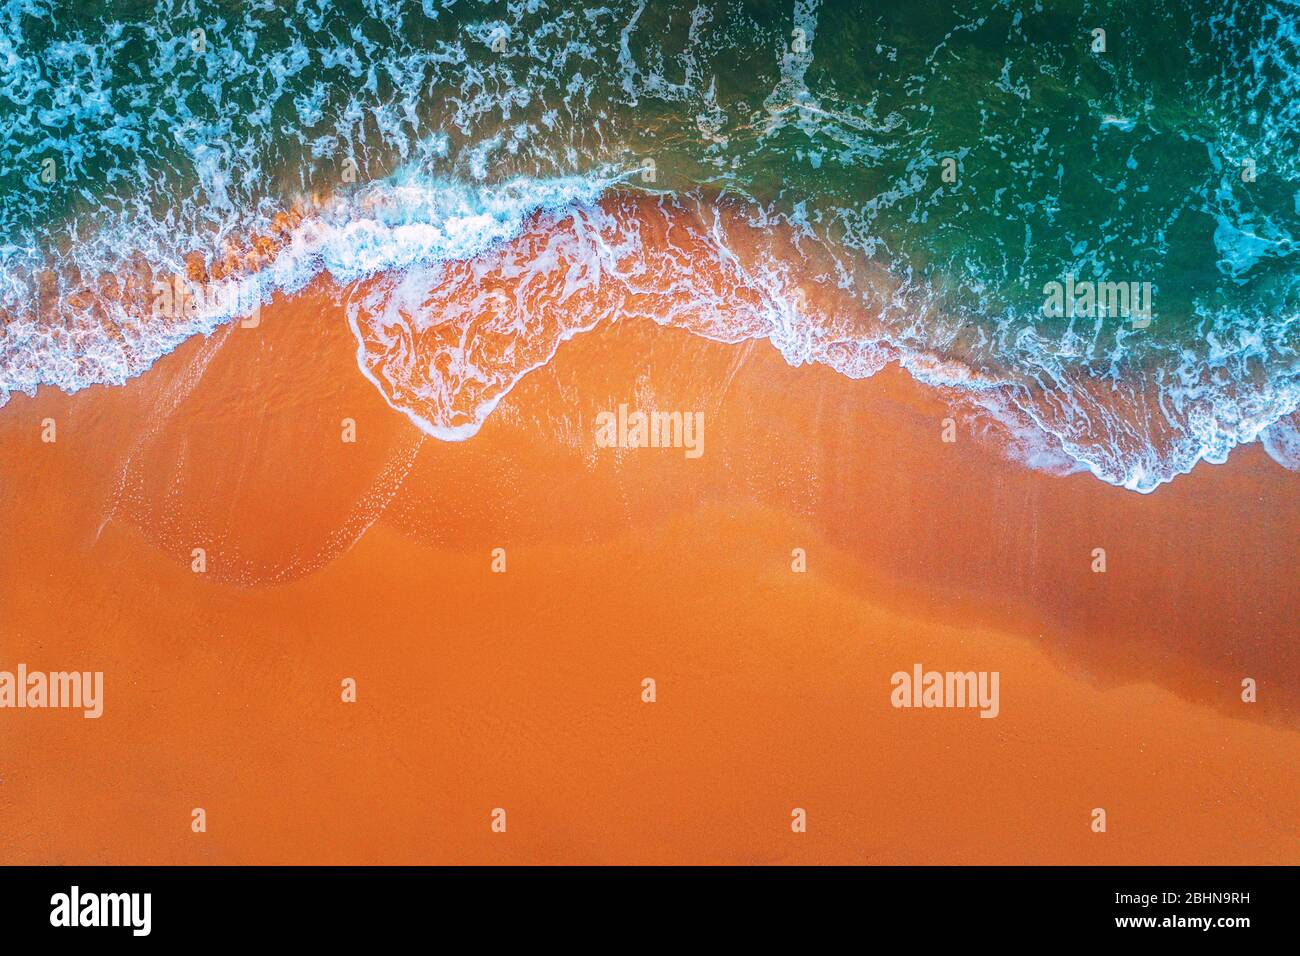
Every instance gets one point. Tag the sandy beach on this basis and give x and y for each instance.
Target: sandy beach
(476, 689)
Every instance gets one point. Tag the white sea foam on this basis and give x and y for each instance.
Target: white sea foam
(391, 225)
(1052, 412)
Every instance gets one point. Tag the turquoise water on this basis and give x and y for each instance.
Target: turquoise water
(972, 154)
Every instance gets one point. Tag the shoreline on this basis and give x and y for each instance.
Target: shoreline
(758, 278)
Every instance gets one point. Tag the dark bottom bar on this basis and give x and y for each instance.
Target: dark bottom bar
(232, 904)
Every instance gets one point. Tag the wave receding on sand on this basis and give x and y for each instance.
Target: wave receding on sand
(455, 292)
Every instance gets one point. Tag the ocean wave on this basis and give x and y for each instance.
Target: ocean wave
(445, 343)
(456, 291)
(149, 299)
(857, 184)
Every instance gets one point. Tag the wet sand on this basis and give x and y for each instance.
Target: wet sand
(522, 690)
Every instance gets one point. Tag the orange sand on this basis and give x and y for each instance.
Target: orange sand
(522, 690)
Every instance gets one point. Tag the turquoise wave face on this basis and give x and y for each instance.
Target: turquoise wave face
(1090, 206)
